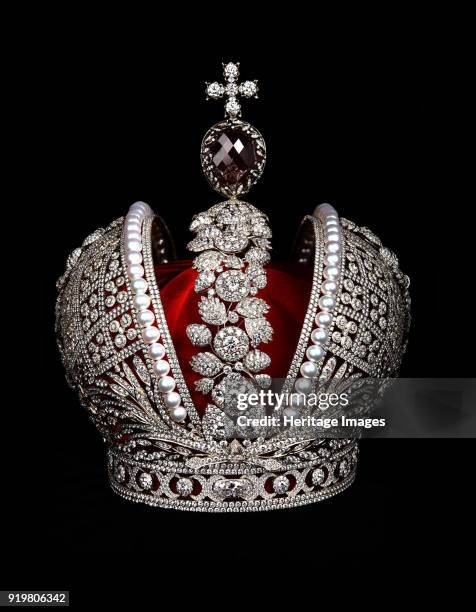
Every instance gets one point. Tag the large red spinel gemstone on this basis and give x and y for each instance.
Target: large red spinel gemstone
(233, 155)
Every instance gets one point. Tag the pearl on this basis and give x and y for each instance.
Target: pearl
(332, 259)
(303, 385)
(161, 367)
(132, 235)
(329, 286)
(315, 352)
(156, 350)
(331, 222)
(309, 369)
(331, 272)
(142, 301)
(135, 271)
(332, 238)
(325, 210)
(166, 384)
(133, 226)
(145, 318)
(327, 302)
(150, 334)
(134, 245)
(134, 258)
(139, 285)
(319, 336)
(172, 399)
(333, 247)
(135, 214)
(140, 207)
(178, 414)
(323, 319)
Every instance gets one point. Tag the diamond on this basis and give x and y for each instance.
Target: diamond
(120, 473)
(264, 381)
(145, 481)
(184, 487)
(208, 260)
(257, 360)
(281, 485)
(212, 310)
(231, 343)
(215, 90)
(199, 335)
(131, 333)
(259, 330)
(120, 341)
(126, 320)
(232, 89)
(233, 107)
(248, 89)
(231, 71)
(232, 285)
(206, 364)
(230, 242)
(318, 476)
(114, 326)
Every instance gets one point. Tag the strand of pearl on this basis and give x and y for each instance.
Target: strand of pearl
(332, 266)
(142, 301)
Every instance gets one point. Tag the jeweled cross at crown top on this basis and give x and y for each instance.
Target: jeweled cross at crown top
(231, 89)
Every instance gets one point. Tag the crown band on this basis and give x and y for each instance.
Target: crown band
(233, 487)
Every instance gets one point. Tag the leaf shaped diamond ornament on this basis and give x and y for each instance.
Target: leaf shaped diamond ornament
(198, 334)
(206, 364)
(200, 221)
(208, 260)
(212, 310)
(328, 370)
(200, 243)
(204, 385)
(263, 380)
(259, 330)
(257, 360)
(256, 255)
(119, 390)
(204, 280)
(141, 370)
(252, 307)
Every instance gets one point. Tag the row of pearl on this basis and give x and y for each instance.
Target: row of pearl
(327, 301)
(142, 301)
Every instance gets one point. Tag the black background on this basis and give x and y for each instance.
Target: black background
(359, 115)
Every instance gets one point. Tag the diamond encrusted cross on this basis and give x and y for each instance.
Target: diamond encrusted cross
(231, 89)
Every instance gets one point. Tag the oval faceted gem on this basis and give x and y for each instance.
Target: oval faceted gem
(233, 155)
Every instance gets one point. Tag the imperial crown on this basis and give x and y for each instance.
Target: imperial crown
(160, 351)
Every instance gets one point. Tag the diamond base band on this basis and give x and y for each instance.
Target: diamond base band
(230, 487)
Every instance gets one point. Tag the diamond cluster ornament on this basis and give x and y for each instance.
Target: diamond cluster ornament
(232, 242)
(232, 89)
